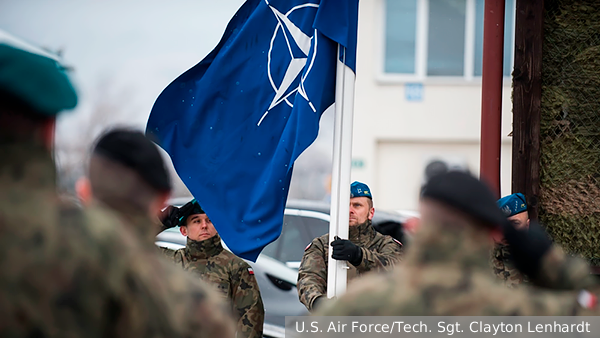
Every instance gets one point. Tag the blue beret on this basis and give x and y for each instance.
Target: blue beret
(512, 204)
(358, 189)
(34, 78)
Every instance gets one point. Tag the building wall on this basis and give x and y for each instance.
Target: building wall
(394, 138)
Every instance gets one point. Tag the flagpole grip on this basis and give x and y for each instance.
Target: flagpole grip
(340, 177)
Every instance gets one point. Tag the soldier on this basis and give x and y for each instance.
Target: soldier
(527, 251)
(446, 273)
(204, 255)
(127, 173)
(515, 208)
(366, 250)
(64, 272)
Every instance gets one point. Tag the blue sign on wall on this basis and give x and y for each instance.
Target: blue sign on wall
(358, 163)
(414, 92)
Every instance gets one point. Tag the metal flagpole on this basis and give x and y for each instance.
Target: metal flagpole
(340, 177)
(491, 97)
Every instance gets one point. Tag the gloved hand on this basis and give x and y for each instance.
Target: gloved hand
(345, 250)
(527, 247)
(169, 217)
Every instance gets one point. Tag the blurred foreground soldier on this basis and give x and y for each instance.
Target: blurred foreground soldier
(204, 255)
(366, 250)
(531, 254)
(128, 174)
(546, 265)
(434, 168)
(446, 270)
(514, 208)
(64, 272)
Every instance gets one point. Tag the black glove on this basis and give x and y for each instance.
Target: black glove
(169, 217)
(345, 250)
(527, 247)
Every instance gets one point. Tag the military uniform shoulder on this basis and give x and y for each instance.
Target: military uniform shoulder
(386, 239)
(179, 253)
(99, 222)
(323, 239)
(233, 259)
(319, 242)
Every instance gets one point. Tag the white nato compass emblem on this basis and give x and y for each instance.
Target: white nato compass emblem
(295, 40)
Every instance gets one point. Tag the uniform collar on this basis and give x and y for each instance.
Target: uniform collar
(501, 250)
(141, 224)
(204, 249)
(27, 163)
(362, 233)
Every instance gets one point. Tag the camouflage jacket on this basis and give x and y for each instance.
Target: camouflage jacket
(503, 268)
(379, 252)
(446, 273)
(560, 271)
(193, 295)
(67, 272)
(231, 275)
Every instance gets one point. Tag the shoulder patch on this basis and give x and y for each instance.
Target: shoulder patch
(397, 241)
(251, 271)
(308, 246)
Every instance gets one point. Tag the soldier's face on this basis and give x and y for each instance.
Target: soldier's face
(198, 228)
(520, 221)
(360, 210)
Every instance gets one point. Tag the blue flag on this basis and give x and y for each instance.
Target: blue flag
(235, 123)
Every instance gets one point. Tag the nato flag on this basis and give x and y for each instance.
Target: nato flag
(235, 123)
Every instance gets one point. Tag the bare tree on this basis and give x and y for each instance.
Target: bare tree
(71, 149)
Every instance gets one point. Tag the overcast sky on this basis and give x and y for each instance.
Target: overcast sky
(132, 46)
(126, 51)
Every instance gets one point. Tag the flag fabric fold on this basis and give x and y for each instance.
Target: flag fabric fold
(235, 123)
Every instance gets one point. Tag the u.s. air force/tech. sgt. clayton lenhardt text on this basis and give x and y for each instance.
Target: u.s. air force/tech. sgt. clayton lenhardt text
(448, 328)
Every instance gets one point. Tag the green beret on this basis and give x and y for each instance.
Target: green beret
(37, 80)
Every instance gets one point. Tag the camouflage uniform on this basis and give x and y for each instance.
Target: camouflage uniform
(562, 272)
(446, 273)
(231, 275)
(66, 272)
(558, 271)
(379, 252)
(503, 268)
(184, 287)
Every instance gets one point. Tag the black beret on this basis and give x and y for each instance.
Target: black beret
(133, 150)
(466, 193)
(190, 208)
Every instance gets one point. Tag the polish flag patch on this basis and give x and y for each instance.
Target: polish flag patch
(587, 300)
(308, 246)
(397, 241)
(250, 271)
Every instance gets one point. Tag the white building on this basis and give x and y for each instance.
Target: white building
(418, 94)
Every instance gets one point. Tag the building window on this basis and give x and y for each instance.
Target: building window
(401, 36)
(439, 38)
